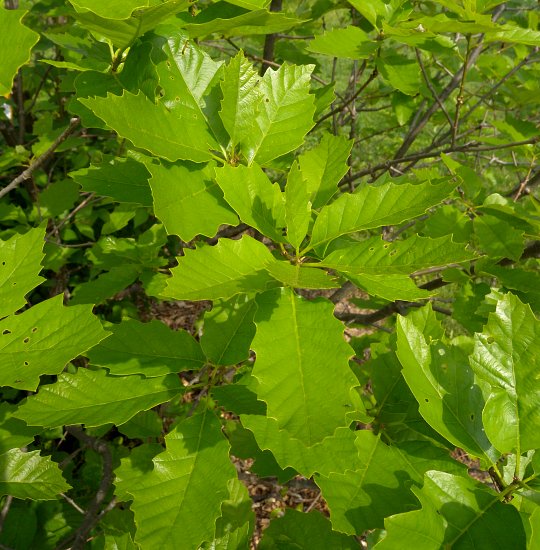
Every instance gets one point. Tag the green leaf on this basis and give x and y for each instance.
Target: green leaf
(349, 43)
(169, 135)
(298, 530)
(391, 286)
(401, 73)
(228, 331)
(181, 192)
(20, 264)
(121, 9)
(144, 424)
(506, 355)
(221, 271)
(58, 197)
(93, 398)
(375, 11)
(297, 206)
(323, 167)
(241, 99)
(378, 481)
(498, 238)
(106, 285)
(285, 116)
(523, 283)
(43, 339)
(124, 180)
(457, 512)
(444, 386)
(29, 475)
(16, 43)
(14, 433)
(377, 257)
(371, 207)
(124, 32)
(189, 480)
(297, 276)
(515, 35)
(292, 370)
(151, 349)
(257, 201)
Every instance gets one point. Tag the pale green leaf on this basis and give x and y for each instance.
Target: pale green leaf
(375, 206)
(257, 201)
(324, 166)
(43, 339)
(189, 480)
(374, 11)
(515, 35)
(498, 238)
(94, 398)
(228, 331)
(285, 116)
(298, 530)
(457, 512)
(378, 481)
(221, 271)
(241, 98)
(401, 73)
(390, 286)
(120, 9)
(29, 475)
(297, 206)
(151, 349)
(124, 32)
(14, 433)
(349, 43)
(250, 4)
(297, 276)
(442, 382)
(506, 355)
(181, 193)
(292, 369)
(377, 257)
(16, 43)
(124, 180)
(20, 264)
(172, 136)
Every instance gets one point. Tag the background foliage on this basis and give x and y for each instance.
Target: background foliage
(300, 234)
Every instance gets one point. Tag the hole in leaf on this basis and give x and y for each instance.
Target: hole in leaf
(6, 331)
(26, 363)
(26, 340)
(371, 248)
(472, 416)
(490, 340)
(34, 329)
(392, 252)
(14, 284)
(426, 400)
(386, 245)
(3, 263)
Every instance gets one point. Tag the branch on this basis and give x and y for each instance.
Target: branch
(270, 40)
(92, 516)
(39, 161)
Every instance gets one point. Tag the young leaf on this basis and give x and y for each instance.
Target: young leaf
(297, 206)
(377, 257)
(189, 480)
(371, 207)
(392, 286)
(506, 355)
(241, 99)
(257, 201)
(181, 192)
(43, 339)
(151, 349)
(402, 73)
(16, 43)
(221, 271)
(93, 398)
(285, 116)
(20, 263)
(121, 9)
(299, 530)
(302, 394)
(457, 512)
(29, 475)
(438, 375)
(170, 136)
(228, 331)
(297, 276)
(349, 43)
(323, 167)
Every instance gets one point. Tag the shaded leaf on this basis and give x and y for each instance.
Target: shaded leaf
(392, 286)
(297, 276)
(498, 238)
(297, 206)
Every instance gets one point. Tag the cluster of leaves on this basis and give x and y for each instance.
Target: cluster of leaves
(158, 151)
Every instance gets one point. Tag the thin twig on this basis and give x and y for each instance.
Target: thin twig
(5, 511)
(460, 99)
(39, 161)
